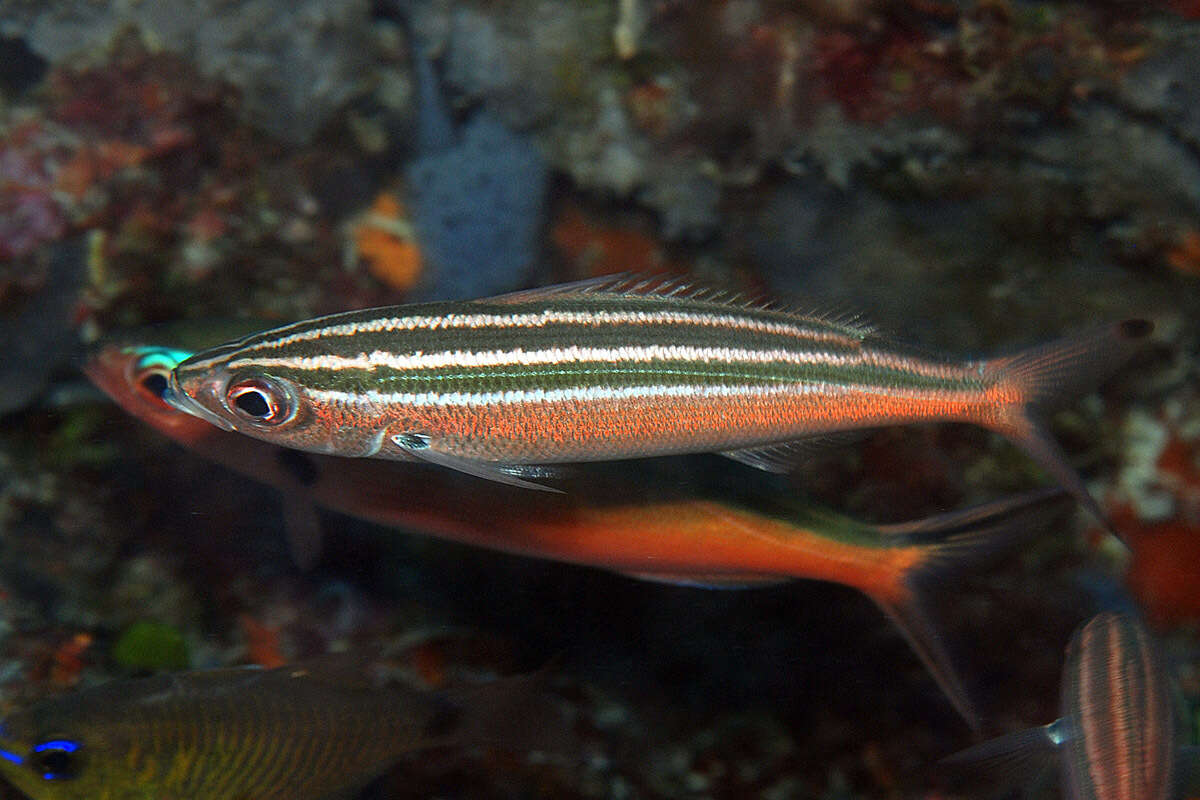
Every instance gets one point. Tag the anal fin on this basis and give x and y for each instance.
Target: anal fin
(785, 456)
(703, 581)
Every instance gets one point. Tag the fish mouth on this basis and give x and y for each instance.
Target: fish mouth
(176, 398)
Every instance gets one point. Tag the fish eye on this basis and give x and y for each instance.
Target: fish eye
(56, 759)
(261, 400)
(155, 383)
(152, 371)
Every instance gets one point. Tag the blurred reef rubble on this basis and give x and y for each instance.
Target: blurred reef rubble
(974, 175)
(295, 64)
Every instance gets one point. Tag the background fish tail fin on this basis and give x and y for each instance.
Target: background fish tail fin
(948, 543)
(1018, 759)
(1043, 377)
(958, 538)
(908, 614)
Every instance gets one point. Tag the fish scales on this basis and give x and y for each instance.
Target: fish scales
(599, 371)
(599, 377)
(698, 340)
(1118, 696)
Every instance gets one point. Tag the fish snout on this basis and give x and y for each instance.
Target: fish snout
(196, 398)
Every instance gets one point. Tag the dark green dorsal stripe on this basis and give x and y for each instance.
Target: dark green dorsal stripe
(608, 375)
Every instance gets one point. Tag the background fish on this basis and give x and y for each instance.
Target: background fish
(620, 522)
(1118, 736)
(303, 731)
(602, 370)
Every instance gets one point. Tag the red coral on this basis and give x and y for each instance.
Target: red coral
(1164, 570)
(263, 644)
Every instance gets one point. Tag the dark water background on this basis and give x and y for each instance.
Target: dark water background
(974, 176)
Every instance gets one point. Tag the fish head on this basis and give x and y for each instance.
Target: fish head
(136, 377)
(52, 751)
(134, 369)
(269, 405)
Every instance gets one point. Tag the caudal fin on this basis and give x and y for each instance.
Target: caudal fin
(948, 543)
(1041, 378)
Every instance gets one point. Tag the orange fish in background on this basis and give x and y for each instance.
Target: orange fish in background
(613, 519)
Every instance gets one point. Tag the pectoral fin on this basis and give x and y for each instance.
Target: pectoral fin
(418, 446)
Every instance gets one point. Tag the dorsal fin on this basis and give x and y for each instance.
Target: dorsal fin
(603, 283)
(681, 288)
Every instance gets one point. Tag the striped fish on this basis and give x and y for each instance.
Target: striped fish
(601, 371)
(1118, 736)
(631, 521)
(298, 732)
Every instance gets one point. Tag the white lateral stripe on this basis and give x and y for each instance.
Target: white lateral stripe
(557, 317)
(516, 396)
(555, 355)
(377, 399)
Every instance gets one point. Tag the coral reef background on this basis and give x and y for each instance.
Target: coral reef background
(974, 175)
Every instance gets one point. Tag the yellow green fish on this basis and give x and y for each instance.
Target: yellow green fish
(300, 732)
